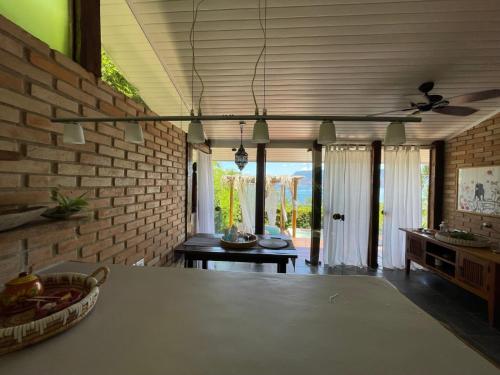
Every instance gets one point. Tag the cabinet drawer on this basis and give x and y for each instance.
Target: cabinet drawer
(473, 271)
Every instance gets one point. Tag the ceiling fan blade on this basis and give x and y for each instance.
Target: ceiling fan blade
(475, 96)
(393, 111)
(455, 110)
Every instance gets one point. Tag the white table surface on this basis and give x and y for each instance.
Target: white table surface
(191, 322)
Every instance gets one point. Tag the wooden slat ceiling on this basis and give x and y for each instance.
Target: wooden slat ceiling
(327, 57)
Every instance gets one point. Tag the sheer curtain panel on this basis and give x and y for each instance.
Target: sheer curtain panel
(205, 212)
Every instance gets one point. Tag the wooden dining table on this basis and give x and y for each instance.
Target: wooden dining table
(204, 247)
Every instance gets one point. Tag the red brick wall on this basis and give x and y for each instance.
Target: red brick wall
(478, 146)
(136, 192)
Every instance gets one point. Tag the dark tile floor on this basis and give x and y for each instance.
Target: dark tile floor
(461, 312)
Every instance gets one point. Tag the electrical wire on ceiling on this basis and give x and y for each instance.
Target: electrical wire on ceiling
(193, 60)
(260, 56)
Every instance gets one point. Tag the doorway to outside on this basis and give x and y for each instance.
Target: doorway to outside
(288, 194)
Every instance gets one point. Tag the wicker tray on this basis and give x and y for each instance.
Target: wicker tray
(17, 336)
(240, 245)
(460, 242)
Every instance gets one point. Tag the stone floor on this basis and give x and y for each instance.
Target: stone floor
(461, 312)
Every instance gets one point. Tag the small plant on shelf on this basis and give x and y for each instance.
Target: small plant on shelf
(66, 206)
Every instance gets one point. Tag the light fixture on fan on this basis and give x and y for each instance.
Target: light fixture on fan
(73, 134)
(241, 156)
(133, 133)
(327, 133)
(395, 134)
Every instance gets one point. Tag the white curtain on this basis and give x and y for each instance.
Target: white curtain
(402, 201)
(346, 190)
(272, 199)
(205, 204)
(246, 191)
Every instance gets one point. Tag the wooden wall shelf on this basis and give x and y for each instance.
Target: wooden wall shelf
(474, 269)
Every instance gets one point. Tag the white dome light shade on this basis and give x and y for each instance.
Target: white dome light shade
(73, 134)
(395, 134)
(195, 132)
(327, 133)
(133, 133)
(260, 132)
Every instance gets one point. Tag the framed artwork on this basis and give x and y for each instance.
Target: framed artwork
(478, 190)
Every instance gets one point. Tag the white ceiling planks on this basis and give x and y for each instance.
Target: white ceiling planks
(324, 57)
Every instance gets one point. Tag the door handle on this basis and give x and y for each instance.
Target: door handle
(337, 216)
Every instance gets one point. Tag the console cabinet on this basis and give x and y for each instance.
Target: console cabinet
(476, 270)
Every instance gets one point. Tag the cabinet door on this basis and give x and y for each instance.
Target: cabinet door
(473, 271)
(415, 248)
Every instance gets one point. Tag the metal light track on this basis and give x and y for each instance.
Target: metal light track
(241, 117)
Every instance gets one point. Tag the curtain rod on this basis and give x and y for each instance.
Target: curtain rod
(240, 117)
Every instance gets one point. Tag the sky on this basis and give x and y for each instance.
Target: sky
(272, 168)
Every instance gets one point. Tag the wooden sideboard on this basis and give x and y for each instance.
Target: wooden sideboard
(476, 270)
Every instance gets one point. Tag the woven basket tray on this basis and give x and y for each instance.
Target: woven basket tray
(239, 245)
(15, 337)
(460, 242)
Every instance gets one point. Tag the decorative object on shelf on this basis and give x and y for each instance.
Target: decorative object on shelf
(241, 156)
(443, 227)
(234, 240)
(66, 207)
(478, 190)
(273, 243)
(67, 298)
(15, 218)
(18, 290)
(462, 239)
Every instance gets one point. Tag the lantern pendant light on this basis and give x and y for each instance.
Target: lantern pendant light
(327, 133)
(241, 156)
(395, 134)
(196, 133)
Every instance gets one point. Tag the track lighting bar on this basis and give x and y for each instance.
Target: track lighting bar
(242, 118)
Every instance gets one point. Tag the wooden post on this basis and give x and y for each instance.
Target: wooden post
(294, 208)
(375, 205)
(260, 188)
(87, 35)
(316, 204)
(231, 201)
(436, 185)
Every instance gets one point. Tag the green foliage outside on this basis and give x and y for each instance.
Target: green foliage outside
(112, 76)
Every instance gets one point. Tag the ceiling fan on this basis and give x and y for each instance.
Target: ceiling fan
(446, 106)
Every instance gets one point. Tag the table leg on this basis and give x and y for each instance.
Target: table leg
(204, 264)
(189, 263)
(282, 267)
(408, 266)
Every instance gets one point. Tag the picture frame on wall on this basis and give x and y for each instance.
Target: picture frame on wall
(478, 190)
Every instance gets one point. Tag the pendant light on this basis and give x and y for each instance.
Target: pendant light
(395, 134)
(241, 156)
(196, 133)
(327, 134)
(133, 133)
(73, 134)
(260, 128)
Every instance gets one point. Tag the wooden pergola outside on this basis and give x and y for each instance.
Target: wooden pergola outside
(293, 182)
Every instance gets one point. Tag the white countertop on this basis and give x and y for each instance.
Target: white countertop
(156, 321)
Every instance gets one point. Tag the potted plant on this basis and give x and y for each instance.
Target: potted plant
(66, 206)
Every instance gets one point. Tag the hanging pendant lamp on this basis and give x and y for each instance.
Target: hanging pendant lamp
(133, 133)
(327, 133)
(241, 156)
(196, 134)
(73, 134)
(260, 131)
(395, 134)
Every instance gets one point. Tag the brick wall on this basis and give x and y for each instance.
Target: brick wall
(136, 192)
(478, 146)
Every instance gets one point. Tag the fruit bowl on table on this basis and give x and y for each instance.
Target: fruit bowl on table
(245, 241)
